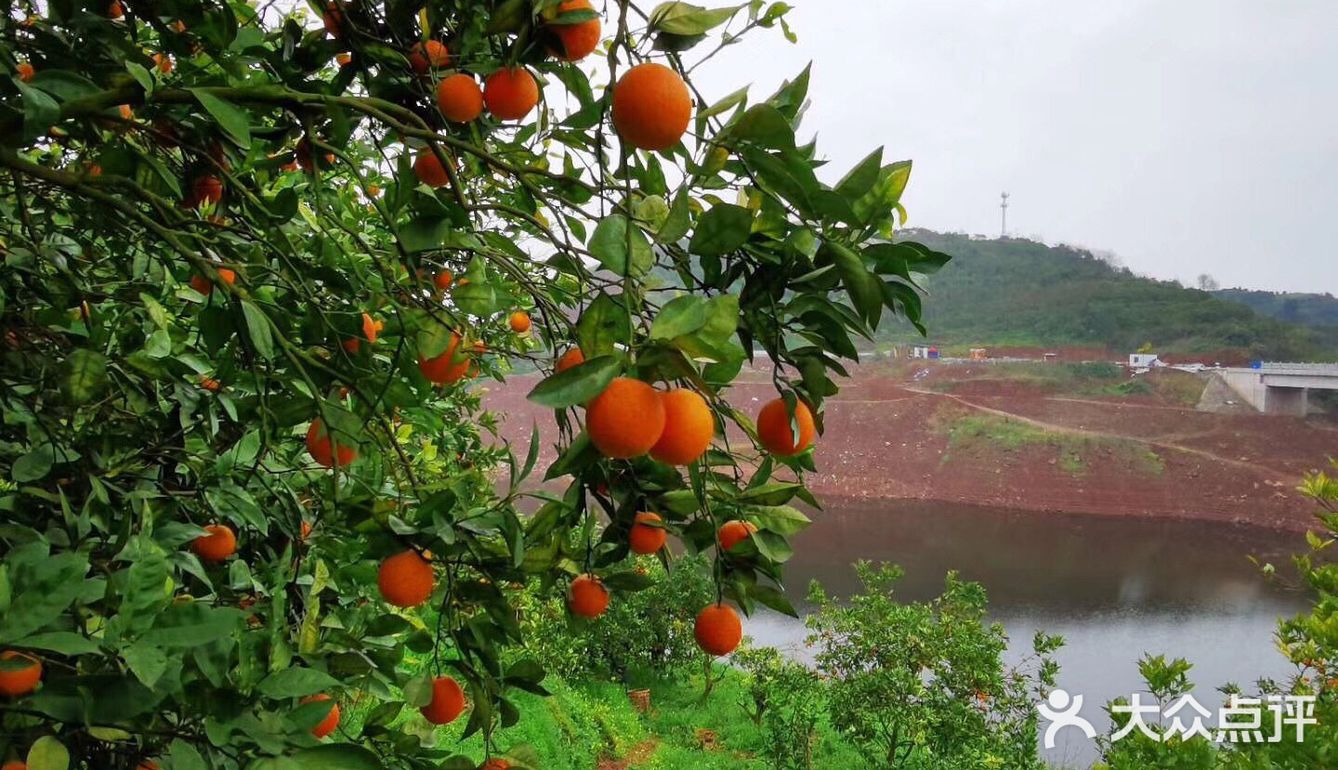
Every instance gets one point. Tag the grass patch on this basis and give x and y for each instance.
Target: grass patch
(985, 434)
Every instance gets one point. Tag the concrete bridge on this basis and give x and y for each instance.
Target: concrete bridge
(1276, 388)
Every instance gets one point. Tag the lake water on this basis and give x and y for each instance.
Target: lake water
(1114, 588)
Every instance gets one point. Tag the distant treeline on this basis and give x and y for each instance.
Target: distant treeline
(1019, 292)
(1316, 310)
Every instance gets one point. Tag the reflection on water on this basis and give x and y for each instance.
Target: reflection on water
(1113, 587)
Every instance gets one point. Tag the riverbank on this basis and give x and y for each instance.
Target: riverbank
(1036, 438)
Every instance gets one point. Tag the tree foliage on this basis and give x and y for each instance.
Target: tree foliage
(239, 237)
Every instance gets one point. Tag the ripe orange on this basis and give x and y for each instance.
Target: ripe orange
(325, 450)
(114, 10)
(647, 536)
(331, 720)
(333, 19)
(718, 629)
(496, 763)
(429, 170)
(651, 107)
(688, 428)
(14, 764)
(432, 55)
(447, 367)
(734, 532)
(206, 287)
(573, 357)
(520, 321)
(405, 579)
(302, 154)
(371, 329)
(305, 531)
(575, 41)
(146, 764)
(163, 62)
(210, 384)
(443, 280)
(459, 98)
(510, 93)
(217, 546)
(343, 59)
(18, 682)
(207, 189)
(125, 112)
(448, 701)
(25, 71)
(587, 597)
(773, 428)
(626, 419)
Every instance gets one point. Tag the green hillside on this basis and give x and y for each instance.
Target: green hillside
(1316, 310)
(1019, 292)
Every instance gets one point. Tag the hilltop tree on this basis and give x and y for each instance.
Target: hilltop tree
(253, 260)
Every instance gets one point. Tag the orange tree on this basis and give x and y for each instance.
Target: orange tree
(254, 255)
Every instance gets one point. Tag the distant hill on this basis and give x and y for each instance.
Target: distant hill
(1016, 292)
(1316, 310)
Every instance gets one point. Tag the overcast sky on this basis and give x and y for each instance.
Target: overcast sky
(1187, 136)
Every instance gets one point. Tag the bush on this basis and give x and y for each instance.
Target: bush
(788, 703)
(922, 684)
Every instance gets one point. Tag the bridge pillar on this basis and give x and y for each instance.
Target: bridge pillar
(1288, 401)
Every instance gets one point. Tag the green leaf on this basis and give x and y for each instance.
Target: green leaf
(765, 126)
(40, 111)
(230, 117)
(722, 229)
(337, 756)
(85, 375)
(296, 682)
(47, 585)
(34, 465)
(425, 233)
(864, 288)
(578, 384)
(781, 519)
(418, 691)
(770, 597)
(679, 18)
(257, 329)
(184, 756)
(147, 662)
(63, 642)
(602, 326)
(860, 179)
(47, 753)
(679, 221)
(621, 247)
(141, 75)
(679, 316)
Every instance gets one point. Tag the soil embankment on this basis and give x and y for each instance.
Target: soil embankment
(970, 433)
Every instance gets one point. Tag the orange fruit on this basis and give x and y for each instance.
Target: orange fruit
(163, 62)
(651, 107)
(125, 112)
(688, 428)
(147, 764)
(573, 357)
(496, 763)
(520, 321)
(510, 93)
(448, 701)
(343, 59)
(302, 154)
(405, 579)
(305, 531)
(647, 536)
(429, 170)
(430, 55)
(114, 10)
(14, 764)
(459, 98)
(325, 450)
(25, 71)
(205, 286)
(217, 546)
(587, 597)
(734, 532)
(447, 367)
(718, 629)
(371, 329)
(774, 431)
(331, 720)
(443, 280)
(575, 41)
(626, 419)
(17, 682)
(210, 384)
(333, 19)
(206, 189)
